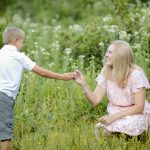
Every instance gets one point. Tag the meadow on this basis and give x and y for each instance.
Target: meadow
(55, 115)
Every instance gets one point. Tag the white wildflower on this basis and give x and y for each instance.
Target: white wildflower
(106, 27)
(55, 45)
(46, 53)
(33, 30)
(109, 28)
(35, 43)
(136, 33)
(137, 46)
(26, 112)
(107, 18)
(57, 29)
(81, 57)
(122, 34)
(68, 51)
(43, 49)
(76, 28)
(17, 19)
(101, 44)
(70, 59)
(33, 51)
(34, 25)
(51, 64)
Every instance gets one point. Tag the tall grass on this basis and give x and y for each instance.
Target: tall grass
(51, 114)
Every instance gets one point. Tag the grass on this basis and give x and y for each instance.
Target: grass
(54, 114)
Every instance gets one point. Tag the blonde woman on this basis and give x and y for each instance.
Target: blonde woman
(125, 84)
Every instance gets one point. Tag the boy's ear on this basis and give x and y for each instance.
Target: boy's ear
(14, 41)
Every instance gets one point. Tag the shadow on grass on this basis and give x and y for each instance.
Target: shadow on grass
(141, 138)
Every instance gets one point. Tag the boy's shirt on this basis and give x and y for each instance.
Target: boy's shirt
(12, 64)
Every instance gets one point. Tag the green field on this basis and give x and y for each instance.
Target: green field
(63, 36)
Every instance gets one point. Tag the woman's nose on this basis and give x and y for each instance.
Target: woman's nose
(106, 54)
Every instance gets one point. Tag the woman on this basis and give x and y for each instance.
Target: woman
(125, 84)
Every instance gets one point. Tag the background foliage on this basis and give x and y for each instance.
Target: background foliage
(64, 35)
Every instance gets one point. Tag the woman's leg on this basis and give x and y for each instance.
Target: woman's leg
(101, 131)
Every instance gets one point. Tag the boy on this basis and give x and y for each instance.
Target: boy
(12, 64)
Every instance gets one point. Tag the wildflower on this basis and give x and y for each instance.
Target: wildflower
(110, 28)
(136, 33)
(101, 44)
(74, 66)
(46, 53)
(68, 51)
(55, 45)
(76, 28)
(107, 18)
(43, 50)
(51, 64)
(57, 29)
(70, 59)
(33, 30)
(81, 57)
(137, 46)
(33, 52)
(26, 111)
(122, 34)
(35, 43)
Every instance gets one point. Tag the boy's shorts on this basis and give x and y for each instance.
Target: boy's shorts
(6, 116)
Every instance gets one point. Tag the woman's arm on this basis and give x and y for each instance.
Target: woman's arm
(137, 108)
(93, 97)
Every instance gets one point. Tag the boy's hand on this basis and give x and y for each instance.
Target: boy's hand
(68, 76)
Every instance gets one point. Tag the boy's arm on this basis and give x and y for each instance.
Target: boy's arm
(49, 74)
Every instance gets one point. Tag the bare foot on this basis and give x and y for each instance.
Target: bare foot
(101, 131)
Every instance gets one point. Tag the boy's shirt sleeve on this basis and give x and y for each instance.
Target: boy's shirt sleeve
(27, 63)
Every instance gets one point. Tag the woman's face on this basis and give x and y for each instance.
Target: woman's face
(109, 55)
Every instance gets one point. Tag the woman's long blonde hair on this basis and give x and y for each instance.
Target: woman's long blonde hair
(123, 63)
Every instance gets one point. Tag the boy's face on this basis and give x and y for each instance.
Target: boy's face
(19, 43)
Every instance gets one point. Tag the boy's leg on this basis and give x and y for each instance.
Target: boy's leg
(6, 120)
(5, 144)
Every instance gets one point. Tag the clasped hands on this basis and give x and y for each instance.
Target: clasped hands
(79, 78)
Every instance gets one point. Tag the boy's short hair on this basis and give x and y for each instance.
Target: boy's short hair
(11, 33)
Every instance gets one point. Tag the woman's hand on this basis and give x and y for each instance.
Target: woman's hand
(108, 119)
(79, 78)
